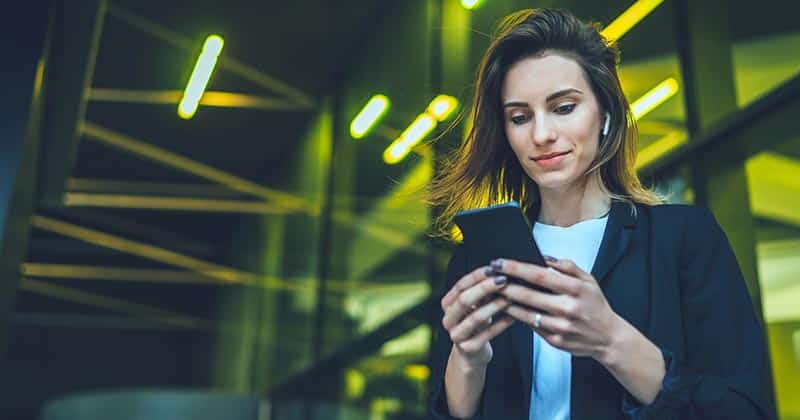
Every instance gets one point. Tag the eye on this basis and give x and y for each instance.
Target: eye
(518, 119)
(565, 109)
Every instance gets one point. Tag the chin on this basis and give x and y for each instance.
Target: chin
(553, 180)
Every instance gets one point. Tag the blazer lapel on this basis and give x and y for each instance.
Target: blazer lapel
(616, 238)
(522, 338)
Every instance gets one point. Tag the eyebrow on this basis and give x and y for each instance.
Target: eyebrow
(549, 98)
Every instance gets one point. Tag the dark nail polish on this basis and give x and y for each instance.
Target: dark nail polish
(500, 280)
(488, 271)
(497, 265)
(550, 259)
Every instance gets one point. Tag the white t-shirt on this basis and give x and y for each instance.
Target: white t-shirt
(552, 368)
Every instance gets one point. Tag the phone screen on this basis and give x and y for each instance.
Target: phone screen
(499, 231)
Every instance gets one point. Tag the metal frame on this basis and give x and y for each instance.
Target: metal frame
(20, 145)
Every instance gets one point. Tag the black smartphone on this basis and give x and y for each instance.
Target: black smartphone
(500, 231)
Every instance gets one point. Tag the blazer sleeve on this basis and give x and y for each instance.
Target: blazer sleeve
(437, 406)
(725, 373)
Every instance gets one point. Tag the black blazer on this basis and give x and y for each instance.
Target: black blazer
(669, 271)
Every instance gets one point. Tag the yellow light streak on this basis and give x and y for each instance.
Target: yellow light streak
(629, 18)
(659, 148)
(133, 201)
(70, 294)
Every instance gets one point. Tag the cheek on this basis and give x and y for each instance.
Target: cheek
(585, 139)
(515, 141)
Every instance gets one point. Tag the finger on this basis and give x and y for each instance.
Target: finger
(542, 276)
(467, 281)
(477, 320)
(474, 343)
(468, 300)
(569, 268)
(547, 323)
(534, 299)
(556, 340)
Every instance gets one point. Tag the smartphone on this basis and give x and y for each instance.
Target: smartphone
(500, 231)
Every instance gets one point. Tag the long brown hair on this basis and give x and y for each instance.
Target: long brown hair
(484, 170)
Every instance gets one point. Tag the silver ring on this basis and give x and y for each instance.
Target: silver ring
(537, 320)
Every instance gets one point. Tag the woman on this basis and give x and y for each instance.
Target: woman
(649, 315)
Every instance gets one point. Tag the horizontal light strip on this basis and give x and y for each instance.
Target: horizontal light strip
(176, 161)
(90, 272)
(95, 185)
(659, 148)
(629, 18)
(205, 269)
(130, 201)
(70, 294)
(154, 253)
(169, 276)
(209, 98)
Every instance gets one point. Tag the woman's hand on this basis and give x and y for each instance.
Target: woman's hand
(468, 311)
(579, 320)
(575, 318)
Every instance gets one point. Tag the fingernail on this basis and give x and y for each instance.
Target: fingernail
(497, 265)
(488, 271)
(550, 259)
(500, 280)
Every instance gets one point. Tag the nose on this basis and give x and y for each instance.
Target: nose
(543, 131)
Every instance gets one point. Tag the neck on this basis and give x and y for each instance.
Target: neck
(572, 204)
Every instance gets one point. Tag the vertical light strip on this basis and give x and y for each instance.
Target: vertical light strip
(629, 18)
(200, 76)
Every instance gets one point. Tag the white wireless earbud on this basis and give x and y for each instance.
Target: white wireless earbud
(607, 124)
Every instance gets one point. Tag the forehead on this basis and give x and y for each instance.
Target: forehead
(535, 77)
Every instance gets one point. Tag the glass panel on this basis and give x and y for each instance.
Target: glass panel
(763, 37)
(774, 187)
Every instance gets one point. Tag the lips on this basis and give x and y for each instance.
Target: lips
(549, 156)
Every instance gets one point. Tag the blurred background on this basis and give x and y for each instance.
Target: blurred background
(255, 247)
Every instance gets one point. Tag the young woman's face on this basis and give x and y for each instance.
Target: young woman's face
(551, 118)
